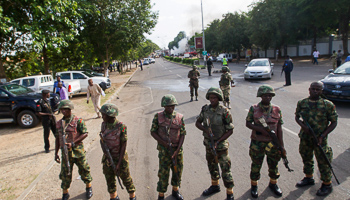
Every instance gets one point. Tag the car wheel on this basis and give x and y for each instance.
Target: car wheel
(27, 119)
(270, 76)
(272, 73)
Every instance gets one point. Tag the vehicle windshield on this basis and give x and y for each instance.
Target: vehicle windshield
(17, 90)
(258, 63)
(343, 69)
(88, 74)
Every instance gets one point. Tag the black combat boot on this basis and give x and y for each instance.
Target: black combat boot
(134, 198)
(116, 198)
(89, 192)
(196, 98)
(65, 196)
(211, 190)
(177, 195)
(160, 198)
(191, 99)
(324, 190)
(306, 181)
(275, 189)
(230, 197)
(254, 191)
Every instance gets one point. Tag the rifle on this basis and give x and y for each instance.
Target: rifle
(212, 145)
(275, 142)
(109, 157)
(315, 139)
(64, 149)
(171, 151)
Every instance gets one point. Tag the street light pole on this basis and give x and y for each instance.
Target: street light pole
(203, 34)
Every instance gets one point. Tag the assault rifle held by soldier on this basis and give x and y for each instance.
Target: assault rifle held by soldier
(109, 157)
(275, 142)
(212, 145)
(315, 139)
(171, 151)
(64, 149)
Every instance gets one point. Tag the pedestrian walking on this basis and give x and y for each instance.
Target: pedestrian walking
(141, 64)
(95, 91)
(322, 117)
(215, 121)
(315, 54)
(193, 75)
(225, 81)
(224, 61)
(339, 57)
(118, 67)
(168, 128)
(74, 130)
(287, 68)
(55, 84)
(209, 66)
(114, 136)
(43, 108)
(62, 91)
(260, 139)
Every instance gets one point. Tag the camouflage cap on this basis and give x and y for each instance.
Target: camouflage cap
(109, 109)
(225, 68)
(265, 89)
(194, 66)
(66, 104)
(168, 100)
(216, 91)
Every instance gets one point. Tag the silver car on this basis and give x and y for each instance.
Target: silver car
(259, 68)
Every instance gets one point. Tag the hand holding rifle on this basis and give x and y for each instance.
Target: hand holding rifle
(212, 144)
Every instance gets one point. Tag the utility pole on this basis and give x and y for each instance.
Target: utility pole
(203, 35)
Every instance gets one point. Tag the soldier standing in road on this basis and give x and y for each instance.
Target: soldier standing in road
(334, 59)
(209, 65)
(115, 137)
(193, 75)
(260, 139)
(225, 81)
(322, 117)
(222, 128)
(95, 91)
(44, 109)
(287, 68)
(74, 129)
(168, 128)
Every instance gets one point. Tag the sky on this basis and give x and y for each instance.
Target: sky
(185, 15)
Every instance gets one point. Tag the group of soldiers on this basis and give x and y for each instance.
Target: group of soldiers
(215, 122)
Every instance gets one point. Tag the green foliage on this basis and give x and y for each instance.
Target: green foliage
(176, 59)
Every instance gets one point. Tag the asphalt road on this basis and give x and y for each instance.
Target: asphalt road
(140, 100)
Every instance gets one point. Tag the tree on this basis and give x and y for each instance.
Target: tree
(175, 43)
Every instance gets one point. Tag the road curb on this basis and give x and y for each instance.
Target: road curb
(181, 64)
(30, 188)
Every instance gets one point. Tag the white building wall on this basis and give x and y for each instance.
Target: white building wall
(305, 50)
(292, 51)
(262, 54)
(270, 53)
(323, 48)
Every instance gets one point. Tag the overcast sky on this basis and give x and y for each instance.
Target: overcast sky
(185, 15)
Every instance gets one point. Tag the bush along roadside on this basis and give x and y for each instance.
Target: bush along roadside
(186, 61)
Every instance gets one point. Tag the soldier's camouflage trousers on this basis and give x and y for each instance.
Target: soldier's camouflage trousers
(124, 174)
(307, 149)
(165, 164)
(225, 165)
(83, 169)
(194, 86)
(257, 152)
(226, 91)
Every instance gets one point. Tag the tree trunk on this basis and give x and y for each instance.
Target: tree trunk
(344, 29)
(46, 61)
(2, 68)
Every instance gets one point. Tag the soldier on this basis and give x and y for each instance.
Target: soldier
(115, 137)
(224, 83)
(168, 128)
(44, 109)
(193, 75)
(74, 129)
(318, 112)
(260, 139)
(221, 123)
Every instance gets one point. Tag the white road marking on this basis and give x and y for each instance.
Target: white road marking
(246, 110)
(202, 87)
(288, 130)
(147, 104)
(178, 75)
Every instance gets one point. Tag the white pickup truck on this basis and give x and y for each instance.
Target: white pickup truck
(46, 82)
(83, 77)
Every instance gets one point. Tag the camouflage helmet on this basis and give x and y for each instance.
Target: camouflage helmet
(109, 109)
(225, 68)
(66, 104)
(169, 100)
(194, 66)
(265, 89)
(216, 91)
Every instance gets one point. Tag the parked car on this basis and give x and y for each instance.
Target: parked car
(213, 58)
(93, 72)
(258, 69)
(146, 62)
(337, 83)
(36, 83)
(83, 78)
(18, 104)
(152, 60)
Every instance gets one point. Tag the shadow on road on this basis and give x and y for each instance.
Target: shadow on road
(12, 159)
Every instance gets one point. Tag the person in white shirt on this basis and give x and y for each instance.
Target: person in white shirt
(95, 91)
(316, 54)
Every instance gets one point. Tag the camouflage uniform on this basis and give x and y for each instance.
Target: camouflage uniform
(76, 154)
(318, 114)
(259, 143)
(165, 162)
(224, 83)
(193, 76)
(221, 121)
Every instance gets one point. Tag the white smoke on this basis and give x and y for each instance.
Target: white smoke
(182, 47)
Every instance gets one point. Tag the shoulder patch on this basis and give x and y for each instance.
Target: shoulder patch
(205, 107)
